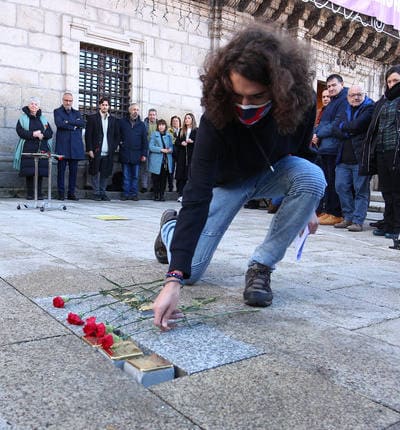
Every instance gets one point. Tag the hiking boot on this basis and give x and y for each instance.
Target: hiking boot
(257, 291)
(160, 250)
(330, 220)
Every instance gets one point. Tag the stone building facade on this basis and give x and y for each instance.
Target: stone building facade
(166, 41)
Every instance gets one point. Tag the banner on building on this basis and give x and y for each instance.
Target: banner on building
(387, 11)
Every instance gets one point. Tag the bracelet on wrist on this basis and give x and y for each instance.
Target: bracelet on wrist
(177, 281)
(174, 275)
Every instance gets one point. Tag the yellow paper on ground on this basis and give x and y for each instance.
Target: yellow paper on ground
(111, 217)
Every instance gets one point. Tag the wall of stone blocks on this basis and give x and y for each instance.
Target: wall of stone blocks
(168, 41)
(40, 56)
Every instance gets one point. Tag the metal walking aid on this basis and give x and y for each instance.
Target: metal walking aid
(46, 204)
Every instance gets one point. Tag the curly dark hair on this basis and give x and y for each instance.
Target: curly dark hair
(264, 54)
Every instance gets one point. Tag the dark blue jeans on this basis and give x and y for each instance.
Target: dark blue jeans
(130, 173)
(73, 172)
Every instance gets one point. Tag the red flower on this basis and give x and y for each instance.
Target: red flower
(100, 330)
(58, 302)
(107, 341)
(74, 319)
(90, 327)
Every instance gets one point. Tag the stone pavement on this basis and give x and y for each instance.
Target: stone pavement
(330, 342)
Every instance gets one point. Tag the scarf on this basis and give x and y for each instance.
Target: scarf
(24, 121)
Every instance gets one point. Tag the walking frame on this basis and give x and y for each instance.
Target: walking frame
(46, 204)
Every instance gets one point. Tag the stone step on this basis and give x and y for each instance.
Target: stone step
(376, 196)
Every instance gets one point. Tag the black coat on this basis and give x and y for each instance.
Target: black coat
(94, 141)
(368, 162)
(183, 155)
(354, 129)
(34, 144)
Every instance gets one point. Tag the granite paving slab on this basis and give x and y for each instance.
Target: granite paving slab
(44, 279)
(388, 331)
(268, 392)
(357, 361)
(375, 293)
(22, 321)
(63, 383)
(192, 347)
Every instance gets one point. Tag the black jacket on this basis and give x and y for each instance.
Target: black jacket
(353, 129)
(368, 157)
(225, 156)
(34, 144)
(94, 142)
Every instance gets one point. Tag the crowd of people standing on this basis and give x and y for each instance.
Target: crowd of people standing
(152, 154)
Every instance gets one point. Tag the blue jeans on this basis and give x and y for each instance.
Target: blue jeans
(302, 184)
(354, 207)
(130, 173)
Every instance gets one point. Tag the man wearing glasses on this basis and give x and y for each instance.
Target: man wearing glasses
(69, 144)
(353, 189)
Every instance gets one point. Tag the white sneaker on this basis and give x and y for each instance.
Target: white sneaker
(179, 199)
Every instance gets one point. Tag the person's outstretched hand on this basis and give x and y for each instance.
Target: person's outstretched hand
(165, 306)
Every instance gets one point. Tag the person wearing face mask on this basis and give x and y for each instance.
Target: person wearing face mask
(381, 153)
(252, 143)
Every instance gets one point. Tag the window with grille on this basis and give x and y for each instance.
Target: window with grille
(104, 72)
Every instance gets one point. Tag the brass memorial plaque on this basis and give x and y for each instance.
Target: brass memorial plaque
(123, 350)
(147, 363)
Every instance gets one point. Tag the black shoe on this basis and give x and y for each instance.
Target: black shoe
(29, 197)
(258, 291)
(162, 198)
(378, 224)
(72, 197)
(252, 204)
(105, 198)
(159, 248)
(60, 196)
(156, 197)
(143, 190)
(124, 198)
(134, 198)
(97, 197)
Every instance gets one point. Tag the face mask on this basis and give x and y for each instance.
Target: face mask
(251, 114)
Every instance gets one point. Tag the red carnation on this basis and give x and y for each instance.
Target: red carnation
(100, 330)
(107, 341)
(74, 319)
(58, 302)
(90, 328)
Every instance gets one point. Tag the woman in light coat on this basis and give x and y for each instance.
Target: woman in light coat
(160, 159)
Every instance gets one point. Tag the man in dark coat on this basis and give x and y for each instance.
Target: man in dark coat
(102, 139)
(69, 144)
(351, 129)
(133, 151)
(328, 145)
